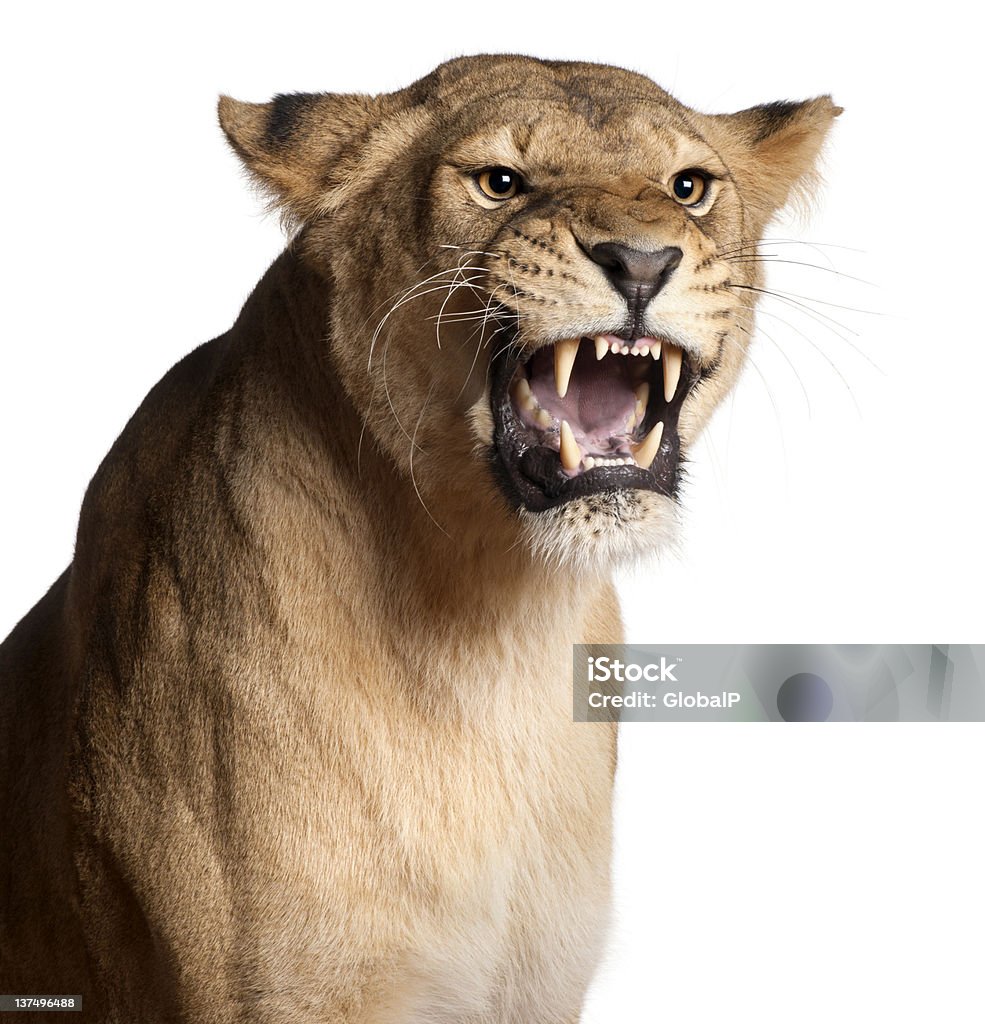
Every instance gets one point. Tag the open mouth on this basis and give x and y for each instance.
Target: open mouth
(587, 415)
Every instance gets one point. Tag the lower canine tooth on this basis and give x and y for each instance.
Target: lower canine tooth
(564, 359)
(646, 451)
(673, 358)
(570, 452)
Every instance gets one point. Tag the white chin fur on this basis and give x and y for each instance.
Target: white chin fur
(603, 531)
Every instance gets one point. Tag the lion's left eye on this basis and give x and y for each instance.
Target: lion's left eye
(689, 187)
(498, 182)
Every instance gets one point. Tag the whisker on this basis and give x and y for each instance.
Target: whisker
(818, 246)
(451, 291)
(776, 410)
(467, 316)
(389, 399)
(803, 387)
(478, 348)
(821, 352)
(413, 445)
(827, 322)
(410, 296)
(392, 297)
(769, 258)
(822, 318)
(807, 298)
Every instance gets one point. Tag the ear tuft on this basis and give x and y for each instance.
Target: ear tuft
(760, 123)
(241, 124)
(300, 147)
(779, 148)
(286, 112)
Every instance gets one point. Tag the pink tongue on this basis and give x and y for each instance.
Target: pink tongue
(599, 401)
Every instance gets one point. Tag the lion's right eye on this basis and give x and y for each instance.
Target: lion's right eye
(498, 183)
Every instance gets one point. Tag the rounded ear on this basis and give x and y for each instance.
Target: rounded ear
(295, 145)
(774, 150)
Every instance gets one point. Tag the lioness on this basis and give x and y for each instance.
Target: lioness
(291, 738)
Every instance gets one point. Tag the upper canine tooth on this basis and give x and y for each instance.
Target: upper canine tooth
(564, 359)
(646, 451)
(601, 347)
(672, 360)
(570, 452)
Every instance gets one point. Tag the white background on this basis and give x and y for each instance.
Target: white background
(767, 873)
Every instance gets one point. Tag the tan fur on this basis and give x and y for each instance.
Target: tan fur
(291, 739)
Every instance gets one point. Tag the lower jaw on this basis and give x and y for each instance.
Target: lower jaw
(534, 479)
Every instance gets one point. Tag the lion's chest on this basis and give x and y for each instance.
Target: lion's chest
(444, 875)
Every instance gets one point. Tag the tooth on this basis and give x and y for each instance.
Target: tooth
(642, 392)
(625, 350)
(570, 452)
(646, 452)
(615, 347)
(601, 347)
(644, 351)
(631, 422)
(564, 359)
(589, 463)
(523, 395)
(655, 349)
(673, 357)
(543, 418)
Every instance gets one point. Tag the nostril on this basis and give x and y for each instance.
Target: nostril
(638, 274)
(610, 256)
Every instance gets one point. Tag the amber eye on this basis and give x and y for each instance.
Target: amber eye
(498, 182)
(689, 187)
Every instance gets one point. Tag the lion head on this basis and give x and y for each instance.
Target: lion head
(540, 278)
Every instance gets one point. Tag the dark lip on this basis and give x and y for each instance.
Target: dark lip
(531, 476)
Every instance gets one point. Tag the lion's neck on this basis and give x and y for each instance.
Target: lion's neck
(336, 512)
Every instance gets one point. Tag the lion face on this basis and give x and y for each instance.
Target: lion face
(542, 282)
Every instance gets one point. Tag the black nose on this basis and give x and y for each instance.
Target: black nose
(638, 275)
